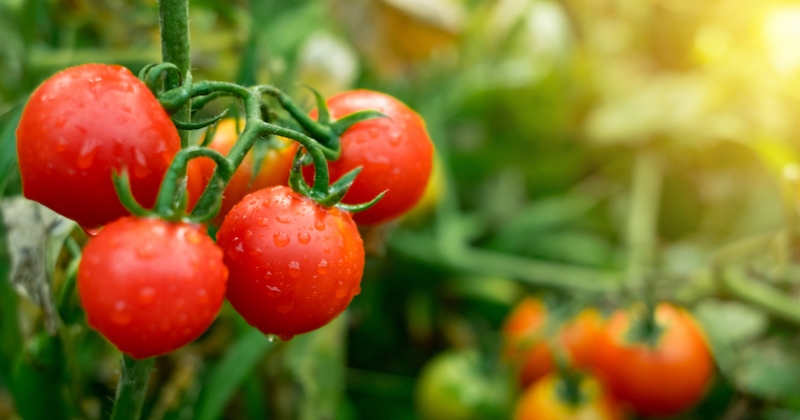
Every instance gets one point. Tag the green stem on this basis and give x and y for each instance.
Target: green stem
(642, 229)
(738, 284)
(174, 22)
(132, 388)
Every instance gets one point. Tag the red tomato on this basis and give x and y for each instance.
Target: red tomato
(294, 265)
(274, 168)
(663, 380)
(396, 154)
(525, 344)
(82, 123)
(543, 401)
(151, 286)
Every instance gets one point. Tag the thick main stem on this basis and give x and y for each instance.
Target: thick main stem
(132, 388)
(174, 23)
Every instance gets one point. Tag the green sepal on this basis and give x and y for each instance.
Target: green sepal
(199, 124)
(355, 208)
(323, 113)
(338, 189)
(342, 124)
(122, 184)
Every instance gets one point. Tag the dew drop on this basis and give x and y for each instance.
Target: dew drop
(202, 296)
(146, 251)
(180, 302)
(281, 239)
(286, 306)
(285, 336)
(294, 269)
(140, 167)
(282, 219)
(91, 232)
(373, 133)
(146, 295)
(268, 275)
(319, 225)
(262, 221)
(341, 292)
(182, 319)
(273, 291)
(86, 154)
(121, 315)
(322, 267)
(303, 238)
(394, 138)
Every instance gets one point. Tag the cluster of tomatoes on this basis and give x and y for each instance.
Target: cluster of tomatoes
(611, 366)
(286, 263)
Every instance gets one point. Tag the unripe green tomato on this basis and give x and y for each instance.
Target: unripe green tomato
(452, 387)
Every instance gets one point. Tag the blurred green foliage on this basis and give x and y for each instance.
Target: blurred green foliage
(539, 111)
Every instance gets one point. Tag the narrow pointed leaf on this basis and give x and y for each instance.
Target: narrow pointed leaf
(355, 208)
(341, 125)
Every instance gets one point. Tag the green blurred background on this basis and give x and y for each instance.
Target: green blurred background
(582, 146)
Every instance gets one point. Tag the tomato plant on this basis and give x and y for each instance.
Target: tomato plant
(579, 337)
(150, 286)
(82, 124)
(294, 264)
(273, 168)
(396, 154)
(662, 377)
(546, 400)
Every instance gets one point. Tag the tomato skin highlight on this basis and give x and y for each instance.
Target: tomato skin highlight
(81, 124)
(150, 286)
(543, 402)
(274, 168)
(660, 381)
(396, 154)
(294, 265)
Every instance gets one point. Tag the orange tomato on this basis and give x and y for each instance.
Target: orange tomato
(544, 401)
(664, 379)
(527, 347)
(274, 168)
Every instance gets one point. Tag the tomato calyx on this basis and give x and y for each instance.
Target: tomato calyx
(645, 329)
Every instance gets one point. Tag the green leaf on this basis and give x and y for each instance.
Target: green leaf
(8, 145)
(770, 370)
(222, 382)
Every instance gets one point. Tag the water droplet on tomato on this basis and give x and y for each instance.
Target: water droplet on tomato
(268, 275)
(86, 154)
(358, 290)
(255, 252)
(303, 238)
(281, 239)
(146, 295)
(285, 336)
(319, 225)
(140, 167)
(91, 232)
(121, 314)
(248, 234)
(180, 302)
(326, 250)
(394, 138)
(322, 267)
(294, 269)
(285, 306)
(182, 319)
(273, 291)
(146, 251)
(202, 296)
(373, 133)
(262, 221)
(341, 292)
(282, 219)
